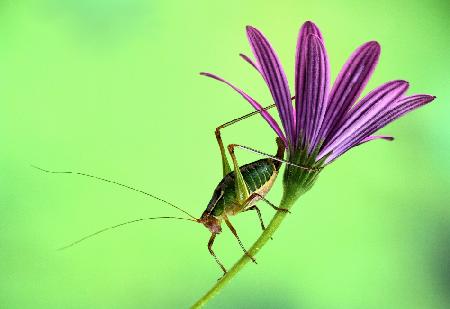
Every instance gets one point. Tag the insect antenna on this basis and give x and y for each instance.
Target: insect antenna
(116, 183)
(119, 225)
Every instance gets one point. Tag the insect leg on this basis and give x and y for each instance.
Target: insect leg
(248, 206)
(210, 243)
(268, 202)
(254, 207)
(233, 230)
(240, 186)
(225, 165)
(259, 215)
(306, 168)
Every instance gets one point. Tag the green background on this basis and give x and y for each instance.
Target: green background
(112, 88)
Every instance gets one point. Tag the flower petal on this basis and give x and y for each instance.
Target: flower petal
(275, 78)
(400, 108)
(250, 61)
(307, 28)
(301, 106)
(273, 124)
(311, 89)
(376, 101)
(349, 84)
(374, 137)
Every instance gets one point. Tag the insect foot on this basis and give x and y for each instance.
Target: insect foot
(224, 273)
(251, 257)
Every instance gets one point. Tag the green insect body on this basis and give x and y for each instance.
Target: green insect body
(259, 177)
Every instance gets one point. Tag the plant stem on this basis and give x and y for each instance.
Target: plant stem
(260, 242)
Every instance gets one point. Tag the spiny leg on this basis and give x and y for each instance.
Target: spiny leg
(225, 165)
(270, 204)
(259, 196)
(263, 227)
(250, 200)
(233, 230)
(210, 243)
(240, 186)
(242, 195)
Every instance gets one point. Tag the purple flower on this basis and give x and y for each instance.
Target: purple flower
(324, 123)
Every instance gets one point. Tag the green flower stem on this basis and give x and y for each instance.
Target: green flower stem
(260, 242)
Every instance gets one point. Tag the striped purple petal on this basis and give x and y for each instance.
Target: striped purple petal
(251, 62)
(254, 65)
(275, 78)
(273, 124)
(371, 105)
(312, 90)
(307, 28)
(302, 107)
(374, 137)
(348, 86)
(400, 108)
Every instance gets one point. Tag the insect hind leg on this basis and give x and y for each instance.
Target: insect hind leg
(233, 230)
(276, 158)
(225, 165)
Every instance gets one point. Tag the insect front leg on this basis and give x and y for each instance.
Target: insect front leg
(233, 230)
(210, 243)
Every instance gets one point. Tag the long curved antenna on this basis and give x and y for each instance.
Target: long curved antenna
(119, 225)
(277, 159)
(116, 183)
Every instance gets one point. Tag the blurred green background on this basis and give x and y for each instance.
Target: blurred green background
(111, 88)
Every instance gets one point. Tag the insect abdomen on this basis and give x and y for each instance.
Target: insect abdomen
(256, 175)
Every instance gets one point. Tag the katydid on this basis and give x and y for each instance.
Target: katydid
(237, 192)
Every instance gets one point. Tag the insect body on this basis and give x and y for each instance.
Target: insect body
(259, 177)
(237, 192)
